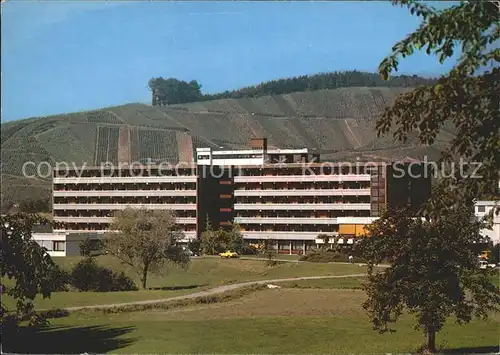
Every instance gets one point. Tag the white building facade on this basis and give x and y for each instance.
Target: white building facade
(483, 209)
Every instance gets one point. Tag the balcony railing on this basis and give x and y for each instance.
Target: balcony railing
(285, 220)
(123, 180)
(301, 206)
(283, 235)
(302, 178)
(305, 192)
(118, 206)
(122, 193)
(183, 220)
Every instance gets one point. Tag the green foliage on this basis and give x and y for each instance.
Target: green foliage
(214, 242)
(88, 276)
(24, 261)
(433, 273)
(146, 240)
(249, 250)
(268, 248)
(467, 97)
(328, 256)
(60, 279)
(495, 254)
(195, 246)
(173, 91)
(89, 247)
(35, 206)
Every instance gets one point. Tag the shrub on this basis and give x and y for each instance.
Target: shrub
(249, 250)
(328, 257)
(60, 279)
(91, 247)
(122, 282)
(88, 276)
(195, 246)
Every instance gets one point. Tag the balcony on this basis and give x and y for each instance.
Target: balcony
(302, 178)
(183, 220)
(285, 220)
(123, 193)
(305, 192)
(123, 180)
(189, 235)
(301, 206)
(122, 206)
(282, 235)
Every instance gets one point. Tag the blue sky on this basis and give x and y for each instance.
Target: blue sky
(70, 56)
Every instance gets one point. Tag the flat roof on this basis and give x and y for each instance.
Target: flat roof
(252, 151)
(487, 203)
(253, 166)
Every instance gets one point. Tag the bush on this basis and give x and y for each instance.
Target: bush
(91, 247)
(328, 257)
(88, 276)
(249, 250)
(195, 246)
(60, 279)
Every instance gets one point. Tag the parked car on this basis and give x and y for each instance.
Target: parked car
(229, 254)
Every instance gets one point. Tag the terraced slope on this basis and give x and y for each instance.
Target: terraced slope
(338, 123)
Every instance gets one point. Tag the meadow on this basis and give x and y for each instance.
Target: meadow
(201, 274)
(270, 321)
(301, 317)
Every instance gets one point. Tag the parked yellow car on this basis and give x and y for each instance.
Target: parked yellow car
(229, 254)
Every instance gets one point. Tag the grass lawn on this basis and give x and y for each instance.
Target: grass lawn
(276, 321)
(202, 273)
(292, 257)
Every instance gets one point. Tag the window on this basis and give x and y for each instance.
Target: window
(59, 246)
(47, 244)
(481, 209)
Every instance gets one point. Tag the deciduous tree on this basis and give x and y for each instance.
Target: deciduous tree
(24, 261)
(433, 273)
(146, 240)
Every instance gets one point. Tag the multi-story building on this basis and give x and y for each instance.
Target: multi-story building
(287, 195)
(484, 208)
(85, 200)
(294, 202)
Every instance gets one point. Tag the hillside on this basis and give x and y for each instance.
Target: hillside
(338, 123)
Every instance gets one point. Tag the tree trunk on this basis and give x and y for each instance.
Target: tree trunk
(144, 276)
(431, 340)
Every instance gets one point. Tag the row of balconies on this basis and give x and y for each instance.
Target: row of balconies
(285, 220)
(183, 179)
(301, 178)
(125, 180)
(300, 192)
(116, 206)
(301, 206)
(180, 220)
(123, 193)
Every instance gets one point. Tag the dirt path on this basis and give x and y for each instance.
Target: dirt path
(213, 291)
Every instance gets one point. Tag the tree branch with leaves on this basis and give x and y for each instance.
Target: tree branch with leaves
(464, 100)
